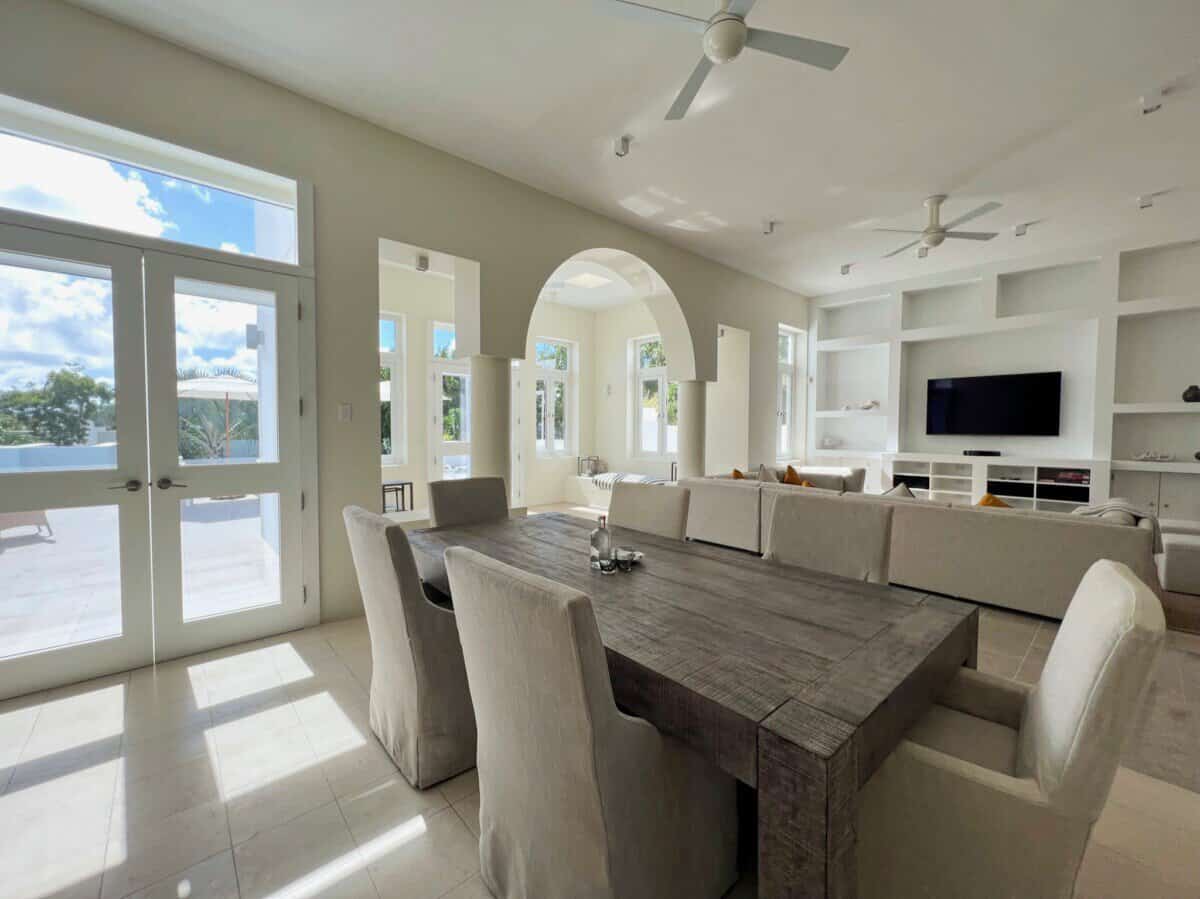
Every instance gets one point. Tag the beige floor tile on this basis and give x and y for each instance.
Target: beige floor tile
(460, 787)
(1030, 669)
(1167, 850)
(17, 717)
(386, 806)
(470, 889)
(143, 801)
(213, 878)
(351, 770)
(277, 802)
(147, 719)
(468, 810)
(1106, 874)
(1005, 632)
(1170, 804)
(999, 664)
(424, 858)
(140, 856)
(1046, 632)
(171, 682)
(312, 856)
(144, 758)
(76, 873)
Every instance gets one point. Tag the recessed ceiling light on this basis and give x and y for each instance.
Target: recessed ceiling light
(588, 280)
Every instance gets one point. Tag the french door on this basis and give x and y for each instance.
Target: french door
(450, 436)
(149, 457)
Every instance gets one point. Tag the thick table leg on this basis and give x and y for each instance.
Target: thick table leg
(807, 796)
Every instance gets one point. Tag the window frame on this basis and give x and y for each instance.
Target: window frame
(396, 360)
(792, 369)
(642, 374)
(551, 377)
(438, 368)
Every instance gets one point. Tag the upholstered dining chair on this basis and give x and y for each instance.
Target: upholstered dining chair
(467, 501)
(994, 792)
(420, 704)
(576, 798)
(839, 535)
(660, 509)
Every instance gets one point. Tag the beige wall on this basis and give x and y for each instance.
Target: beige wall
(368, 183)
(727, 423)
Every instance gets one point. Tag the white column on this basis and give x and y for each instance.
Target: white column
(692, 408)
(490, 383)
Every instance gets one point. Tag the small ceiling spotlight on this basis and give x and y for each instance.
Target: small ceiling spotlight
(422, 262)
(1021, 230)
(1152, 100)
(621, 146)
(922, 252)
(768, 227)
(846, 268)
(1145, 201)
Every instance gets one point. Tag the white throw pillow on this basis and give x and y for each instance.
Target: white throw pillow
(900, 490)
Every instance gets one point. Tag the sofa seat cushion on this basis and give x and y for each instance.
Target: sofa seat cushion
(1179, 564)
(976, 740)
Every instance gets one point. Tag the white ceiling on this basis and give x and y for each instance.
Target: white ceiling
(1032, 103)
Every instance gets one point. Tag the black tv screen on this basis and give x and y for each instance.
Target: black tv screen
(995, 405)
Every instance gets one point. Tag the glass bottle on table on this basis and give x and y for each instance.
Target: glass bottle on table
(602, 557)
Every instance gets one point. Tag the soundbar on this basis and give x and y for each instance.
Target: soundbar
(981, 452)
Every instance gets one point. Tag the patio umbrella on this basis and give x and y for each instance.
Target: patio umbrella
(221, 387)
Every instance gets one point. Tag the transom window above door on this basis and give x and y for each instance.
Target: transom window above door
(66, 167)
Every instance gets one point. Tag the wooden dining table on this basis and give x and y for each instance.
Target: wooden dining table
(797, 683)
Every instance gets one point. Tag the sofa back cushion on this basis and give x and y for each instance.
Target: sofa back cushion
(839, 535)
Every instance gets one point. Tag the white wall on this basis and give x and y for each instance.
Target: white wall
(368, 183)
(422, 299)
(727, 417)
(1069, 348)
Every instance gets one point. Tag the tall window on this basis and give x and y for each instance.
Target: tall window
(552, 397)
(393, 444)
(789, 394)
(450, 380)
(656, 424)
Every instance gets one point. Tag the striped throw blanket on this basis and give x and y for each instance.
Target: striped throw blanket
(609, 478)
(1123, 505)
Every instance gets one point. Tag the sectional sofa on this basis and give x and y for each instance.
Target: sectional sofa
(1024, 560)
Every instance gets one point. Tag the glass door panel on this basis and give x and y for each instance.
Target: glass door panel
(224, 452)
(451, 435)
(74, 542)
(648, 429)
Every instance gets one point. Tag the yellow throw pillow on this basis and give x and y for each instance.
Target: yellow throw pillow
(738, 476)
(791, 476)
(995, 501)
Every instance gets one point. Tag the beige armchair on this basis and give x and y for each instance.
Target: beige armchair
(994, 793)
(836, 534)
(420, 704)
(577, 799)
(651, 508)
(467, 501)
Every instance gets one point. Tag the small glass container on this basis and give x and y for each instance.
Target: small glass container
(625, 556)
(601, 552)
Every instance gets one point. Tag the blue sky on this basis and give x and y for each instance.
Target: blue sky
(48, 320)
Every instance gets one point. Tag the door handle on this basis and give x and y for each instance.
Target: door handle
(133, 485)
(167, 484)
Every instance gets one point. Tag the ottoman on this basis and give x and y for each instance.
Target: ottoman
(1179, 564)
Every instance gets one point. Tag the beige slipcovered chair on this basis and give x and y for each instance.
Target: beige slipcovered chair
(994, 793)
(420, 704)
(651, 508)
(467, 501)
(839, 535)
(576, 798)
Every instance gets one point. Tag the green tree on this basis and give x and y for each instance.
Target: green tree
(202, 424)
(58, 412)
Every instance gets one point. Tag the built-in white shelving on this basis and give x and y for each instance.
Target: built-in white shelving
(1174, 467)
(850, 413)
(1179, 408)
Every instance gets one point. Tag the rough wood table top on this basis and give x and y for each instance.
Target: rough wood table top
(817, 659)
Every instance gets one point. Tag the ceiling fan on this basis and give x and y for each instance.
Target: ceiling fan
(935, 233)
(726, 34)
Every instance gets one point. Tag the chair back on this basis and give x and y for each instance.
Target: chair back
(659, 509)
(543, 698)
(1078, 716)
(467, 501)
(839, 535)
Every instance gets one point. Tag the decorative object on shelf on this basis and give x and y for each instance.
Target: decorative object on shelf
(1192, 394)
(589, 466)
(869, 405)
(831, 442)
(1154, 456)
(1198, 456)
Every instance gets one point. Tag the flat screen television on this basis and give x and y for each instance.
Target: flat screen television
(995, 405)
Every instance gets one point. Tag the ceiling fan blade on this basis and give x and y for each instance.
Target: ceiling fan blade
(907, 246)
(801, 49)
(680, 107)
(652, 14)
(971, 235)
(973, 214)
(897, 231)
(740, 7)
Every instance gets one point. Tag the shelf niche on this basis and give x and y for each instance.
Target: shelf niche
(949, 305)
(863, 317)
(1050, 289)
(1172, 270)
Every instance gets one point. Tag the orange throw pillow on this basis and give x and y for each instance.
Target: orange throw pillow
(989, 500)
(791, 476)
(738, 476)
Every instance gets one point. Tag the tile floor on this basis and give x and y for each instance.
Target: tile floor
(251, 772)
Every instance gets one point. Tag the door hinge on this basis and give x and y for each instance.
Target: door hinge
(299, 312)
(302, 501)
(304, 593)
(301, 405)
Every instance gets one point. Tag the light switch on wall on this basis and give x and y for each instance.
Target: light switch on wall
(345, 412)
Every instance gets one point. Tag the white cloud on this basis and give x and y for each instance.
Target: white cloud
(229, 246)
(49, 180)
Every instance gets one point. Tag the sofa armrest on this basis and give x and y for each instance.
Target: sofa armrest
(986, 696)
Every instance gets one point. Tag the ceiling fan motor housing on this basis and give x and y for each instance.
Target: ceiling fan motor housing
(725, 38)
